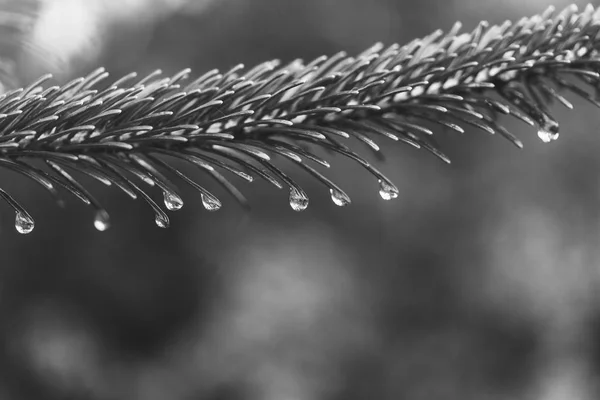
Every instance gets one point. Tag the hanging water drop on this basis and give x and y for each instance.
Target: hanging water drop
(102, 220)
(172, 201)
(298, 200)
(339, 198)
(211, 203)
(548, 130)
(23, 223)
(387, 191)
(162, 221)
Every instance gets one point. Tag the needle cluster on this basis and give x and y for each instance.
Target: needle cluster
(244, 121)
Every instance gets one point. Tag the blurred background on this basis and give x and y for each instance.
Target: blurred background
(480, 281)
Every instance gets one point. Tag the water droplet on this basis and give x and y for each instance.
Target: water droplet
(387, 190)
(102, 220)
(339, 198)
(211, 203)
(172, 201)
(548, 130)
(23, 223)
(298, 200)
(162, 221)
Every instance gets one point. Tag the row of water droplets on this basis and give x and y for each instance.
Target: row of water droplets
(547, 132)
(173, 202)
(299, 199)
(25, 224)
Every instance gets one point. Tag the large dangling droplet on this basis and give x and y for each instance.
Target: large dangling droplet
(162, 221)
(548, 130)
(339, 198)
(172, 201)
(298, 200)
(24, 224)
(102, 220)
(211, 203)
(387, 190)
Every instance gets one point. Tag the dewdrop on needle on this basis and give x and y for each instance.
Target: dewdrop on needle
(339, 198)
(387, 191)
(298, 200)
(172, 201)
(24, 224)
(210, 203)
(102, 220)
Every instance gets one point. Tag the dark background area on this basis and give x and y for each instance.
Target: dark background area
(479, 282)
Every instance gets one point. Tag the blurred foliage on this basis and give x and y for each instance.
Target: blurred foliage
(479, 282)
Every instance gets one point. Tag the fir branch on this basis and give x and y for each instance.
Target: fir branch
(237, 121)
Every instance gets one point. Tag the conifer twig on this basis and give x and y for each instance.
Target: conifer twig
(239, 121)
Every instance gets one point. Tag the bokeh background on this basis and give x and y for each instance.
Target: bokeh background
(480, 281)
